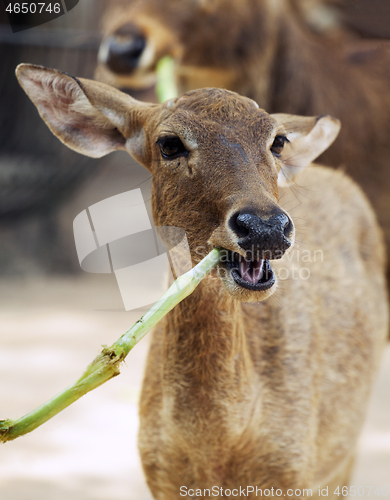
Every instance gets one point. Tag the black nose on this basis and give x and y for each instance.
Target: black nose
(124, 49)
(267, 238)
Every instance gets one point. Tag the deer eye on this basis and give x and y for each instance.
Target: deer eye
(171, 147)
(278, 144)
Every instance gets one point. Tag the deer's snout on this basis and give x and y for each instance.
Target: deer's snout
(264, 238)
(122, 51)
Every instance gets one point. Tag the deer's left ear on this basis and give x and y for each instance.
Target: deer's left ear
(308, 138)
(89, 117)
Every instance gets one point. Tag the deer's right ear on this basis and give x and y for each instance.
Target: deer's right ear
(308, 137)
(91, 118)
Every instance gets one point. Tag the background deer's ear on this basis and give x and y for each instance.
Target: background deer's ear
(308, 138)
(91, 118)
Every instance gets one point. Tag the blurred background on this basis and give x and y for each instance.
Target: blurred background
(54, 317)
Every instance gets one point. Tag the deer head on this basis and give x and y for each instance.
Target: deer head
(219, 43)
(214, 42)
(215, 160)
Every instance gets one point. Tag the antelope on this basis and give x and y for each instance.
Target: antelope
(265, 50)
(259, 379)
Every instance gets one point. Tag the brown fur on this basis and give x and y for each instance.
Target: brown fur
(242, 391)
(264, 49)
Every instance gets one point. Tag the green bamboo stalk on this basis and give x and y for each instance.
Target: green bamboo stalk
(106, 365)
(166, 86)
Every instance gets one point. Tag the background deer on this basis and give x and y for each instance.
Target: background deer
(242, 388)
(266, 50)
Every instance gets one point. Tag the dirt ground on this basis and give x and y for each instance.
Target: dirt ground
(50, 329)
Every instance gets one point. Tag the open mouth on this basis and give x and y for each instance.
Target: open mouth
(254, 274)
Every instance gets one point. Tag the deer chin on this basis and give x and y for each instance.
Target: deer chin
(139, 80)
(247, 280)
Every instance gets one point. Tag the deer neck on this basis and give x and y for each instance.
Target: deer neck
(205, 344)
(306, 69)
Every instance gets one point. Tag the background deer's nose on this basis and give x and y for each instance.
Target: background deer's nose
(264, 238)
(122, 51)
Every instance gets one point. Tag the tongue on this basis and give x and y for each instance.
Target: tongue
(251, 271)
